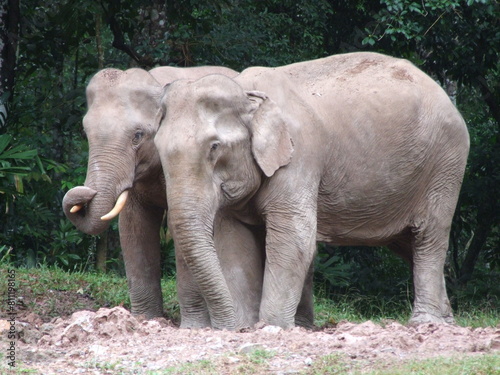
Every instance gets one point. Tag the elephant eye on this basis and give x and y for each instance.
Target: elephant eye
(214, 146)
(137, 137)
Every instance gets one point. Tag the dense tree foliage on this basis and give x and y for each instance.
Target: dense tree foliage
(50, 50)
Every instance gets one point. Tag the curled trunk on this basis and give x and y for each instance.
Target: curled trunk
(91, 215)
(91, 207)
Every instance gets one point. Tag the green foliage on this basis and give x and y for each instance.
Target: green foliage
(15, 163)
(242, 33)
(372, 272)
(103, 289)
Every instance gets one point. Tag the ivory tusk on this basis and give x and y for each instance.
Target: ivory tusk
(120, 202)
(76, 208)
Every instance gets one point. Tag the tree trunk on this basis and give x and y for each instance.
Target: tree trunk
(9, 36)
(98, 40)
(480, 236)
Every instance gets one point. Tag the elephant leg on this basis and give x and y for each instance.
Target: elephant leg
(305, 311)
(139, 228)
(240, 249)
(290, 248)
(430, 245)
(194, 311)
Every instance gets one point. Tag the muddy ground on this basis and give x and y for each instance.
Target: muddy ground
(112, 341)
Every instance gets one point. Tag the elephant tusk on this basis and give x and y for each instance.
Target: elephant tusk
(120, 202)
(76, 208)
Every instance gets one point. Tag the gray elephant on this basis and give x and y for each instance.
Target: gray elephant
(125, 175)
(353, 149)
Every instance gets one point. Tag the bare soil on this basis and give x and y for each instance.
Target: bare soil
(112, 341)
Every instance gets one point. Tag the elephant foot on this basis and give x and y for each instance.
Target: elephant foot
(194, 325)
(148, 313)
(306, 322)
(425, 317)
(195, 321)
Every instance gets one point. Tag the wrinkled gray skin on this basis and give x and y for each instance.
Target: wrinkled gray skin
(354, 149)
(119, 124)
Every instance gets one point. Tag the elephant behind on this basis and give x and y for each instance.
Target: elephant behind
(125, 176)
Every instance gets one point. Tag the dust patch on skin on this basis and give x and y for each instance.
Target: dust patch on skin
(111, 76)
(402, 74)
(362, 66)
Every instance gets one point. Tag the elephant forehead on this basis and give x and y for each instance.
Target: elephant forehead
(102, 120)
(212, 91)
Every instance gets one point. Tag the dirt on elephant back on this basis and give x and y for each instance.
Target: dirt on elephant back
(112, 341)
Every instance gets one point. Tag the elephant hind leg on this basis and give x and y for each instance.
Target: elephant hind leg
(429, 248)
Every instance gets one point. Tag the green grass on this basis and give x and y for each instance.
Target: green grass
(335, 364)
(105, 289)
(199, 367)
(471, 365)
(111, 290)
(358, 308)
(488, 364)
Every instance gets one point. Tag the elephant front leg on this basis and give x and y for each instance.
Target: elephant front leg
(140, 241)
(290, 248)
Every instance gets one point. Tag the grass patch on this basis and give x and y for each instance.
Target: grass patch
(260, 356)
(358, 308)
(41, 290)
(199, 367)
(488, 364)
(475, 315)
(470, 365)
(334, 364)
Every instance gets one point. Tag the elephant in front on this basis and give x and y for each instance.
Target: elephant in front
(125, 176)
(351, 149)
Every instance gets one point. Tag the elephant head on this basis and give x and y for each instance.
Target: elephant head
(120, 127)
(223, 142)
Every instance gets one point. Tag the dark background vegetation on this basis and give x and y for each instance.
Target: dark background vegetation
(49, 51)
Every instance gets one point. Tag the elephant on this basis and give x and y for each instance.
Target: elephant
(351, 149)
(125, 176)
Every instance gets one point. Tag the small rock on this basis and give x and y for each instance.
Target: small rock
(249, 348)
(308, 361)
(47, 327)
(4, 325)
(272, 329)
(495, 345)
(27, 333)
(259, 325)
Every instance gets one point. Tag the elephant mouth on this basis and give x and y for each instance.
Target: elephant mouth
(120, 203)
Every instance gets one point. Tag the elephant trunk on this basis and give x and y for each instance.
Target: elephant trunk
(192, 229)
(104, 194)
(91, 211)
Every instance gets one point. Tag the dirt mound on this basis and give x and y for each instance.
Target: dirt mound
(115, 336)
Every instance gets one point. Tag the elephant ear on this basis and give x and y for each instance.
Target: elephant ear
(162, 109)
(272, 145)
